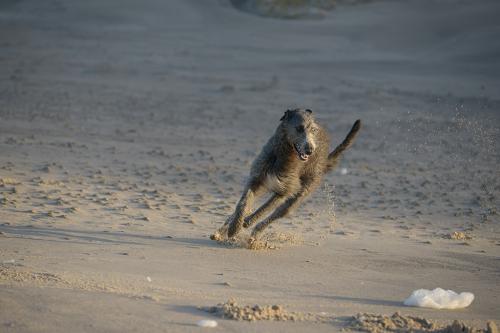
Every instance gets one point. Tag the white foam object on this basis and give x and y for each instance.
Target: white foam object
(207, 323)
(439, 299)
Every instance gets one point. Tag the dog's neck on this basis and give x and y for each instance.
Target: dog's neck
(284, 150)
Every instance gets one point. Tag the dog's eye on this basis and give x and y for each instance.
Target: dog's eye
(300, 129)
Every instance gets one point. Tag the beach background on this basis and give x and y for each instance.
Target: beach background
(127, 130)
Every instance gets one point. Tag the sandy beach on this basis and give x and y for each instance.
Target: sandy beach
(127, 130)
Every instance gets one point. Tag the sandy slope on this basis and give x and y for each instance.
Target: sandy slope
(126, 131)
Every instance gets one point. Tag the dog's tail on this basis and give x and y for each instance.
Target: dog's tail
(334, 156)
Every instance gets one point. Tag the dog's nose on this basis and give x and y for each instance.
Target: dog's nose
(308, 149)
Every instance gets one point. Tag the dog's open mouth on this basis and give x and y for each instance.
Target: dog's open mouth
(302, 156)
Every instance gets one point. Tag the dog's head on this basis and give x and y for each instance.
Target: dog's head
(300, 130)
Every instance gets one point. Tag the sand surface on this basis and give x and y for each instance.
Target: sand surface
(127, 130)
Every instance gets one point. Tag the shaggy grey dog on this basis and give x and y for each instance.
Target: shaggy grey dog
(290, 166)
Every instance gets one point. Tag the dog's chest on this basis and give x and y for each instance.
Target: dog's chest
(273, 183)
(280, 173)
(280, 185)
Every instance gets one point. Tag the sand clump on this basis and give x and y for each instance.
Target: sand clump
(9, 181)
(364, 322)
(231, 310)
(269, 241)
(458, 235)
(274, 241)
(399, 323)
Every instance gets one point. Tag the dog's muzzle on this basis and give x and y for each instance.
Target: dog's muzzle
(303, 156)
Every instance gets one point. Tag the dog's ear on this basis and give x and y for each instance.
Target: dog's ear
(309, 111)
(286, 115)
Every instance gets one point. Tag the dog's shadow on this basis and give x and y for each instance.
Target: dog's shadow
(99, 237)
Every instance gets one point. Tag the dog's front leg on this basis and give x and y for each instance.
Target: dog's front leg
(241, 210)
(221, 233)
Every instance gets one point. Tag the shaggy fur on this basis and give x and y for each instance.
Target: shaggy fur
(290, 167)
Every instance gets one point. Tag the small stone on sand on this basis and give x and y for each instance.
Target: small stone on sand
(207, 323)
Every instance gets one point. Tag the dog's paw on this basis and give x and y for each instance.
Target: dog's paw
(216, 237)
(220, 235)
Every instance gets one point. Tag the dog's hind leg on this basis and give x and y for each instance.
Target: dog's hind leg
(271, 203)
(284, 209)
